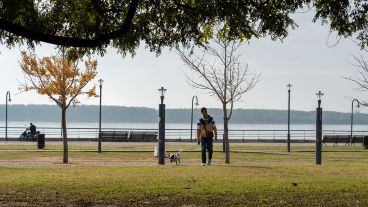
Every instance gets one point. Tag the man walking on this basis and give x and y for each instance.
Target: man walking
(206, 131)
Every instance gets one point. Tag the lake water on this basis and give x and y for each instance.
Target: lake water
(185, 126)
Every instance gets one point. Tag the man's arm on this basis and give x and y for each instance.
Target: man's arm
(198, 136)
(215, 130)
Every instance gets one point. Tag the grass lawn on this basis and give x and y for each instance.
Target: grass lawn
(274, 178)
(249, 185)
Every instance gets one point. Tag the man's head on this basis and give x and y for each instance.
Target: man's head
(204, 112)
(30, 124)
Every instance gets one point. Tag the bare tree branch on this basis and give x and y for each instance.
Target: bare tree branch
(362, 66)
(198, 66)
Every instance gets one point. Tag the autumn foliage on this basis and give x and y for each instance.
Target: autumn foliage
(61, 80)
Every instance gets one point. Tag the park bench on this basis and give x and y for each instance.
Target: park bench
(345, 139)
(329, 139)
(115, 136)
(357, 139)
(143, 136)
(335, 139)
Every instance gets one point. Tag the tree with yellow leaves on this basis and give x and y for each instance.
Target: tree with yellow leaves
(61, 80)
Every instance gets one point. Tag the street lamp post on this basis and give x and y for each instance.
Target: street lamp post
(319, 130)
(191, 118)
(352, 117)
(161, 128)
(6, 114)
(288, 135)
(99, 123)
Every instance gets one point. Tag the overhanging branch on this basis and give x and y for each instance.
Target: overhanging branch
(72, 41)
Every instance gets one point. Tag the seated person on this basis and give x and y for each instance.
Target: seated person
(32, 129)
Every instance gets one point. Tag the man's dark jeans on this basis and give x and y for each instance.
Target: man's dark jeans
(206, 144)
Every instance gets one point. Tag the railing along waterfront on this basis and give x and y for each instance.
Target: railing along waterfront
(180, 134)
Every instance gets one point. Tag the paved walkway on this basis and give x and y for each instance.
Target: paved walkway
(72, 164)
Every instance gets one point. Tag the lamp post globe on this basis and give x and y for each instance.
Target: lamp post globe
(162, 92)
(319, 97)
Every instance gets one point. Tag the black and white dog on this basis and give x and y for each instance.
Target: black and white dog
(175, 157)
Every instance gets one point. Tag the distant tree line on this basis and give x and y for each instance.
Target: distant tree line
(89, 113)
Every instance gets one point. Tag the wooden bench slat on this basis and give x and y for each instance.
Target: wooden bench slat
(143, 136)
(126, 136)
(346, 139)
(118, 136)
(357, 139)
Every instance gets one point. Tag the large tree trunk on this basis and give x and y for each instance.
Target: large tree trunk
(65, 135)
(226, 136)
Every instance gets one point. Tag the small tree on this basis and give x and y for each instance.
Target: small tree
(223, 75)
(61, 80)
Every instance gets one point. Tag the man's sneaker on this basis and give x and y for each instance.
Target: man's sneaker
(209, 162)
(203, 164)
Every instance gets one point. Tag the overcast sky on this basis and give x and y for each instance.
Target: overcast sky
(302, 59)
